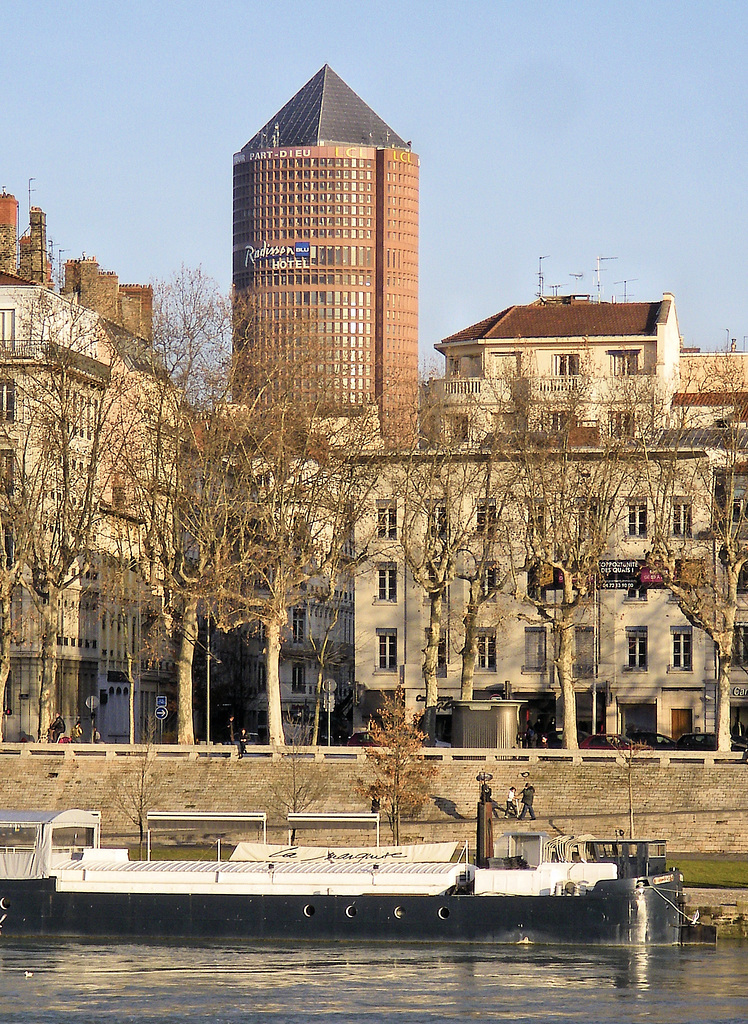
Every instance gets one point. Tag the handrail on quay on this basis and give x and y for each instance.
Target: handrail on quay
(527, 755)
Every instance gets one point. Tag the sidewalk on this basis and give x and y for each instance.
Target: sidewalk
(700, 897)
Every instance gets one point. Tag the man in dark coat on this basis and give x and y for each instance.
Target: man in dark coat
(527, 796)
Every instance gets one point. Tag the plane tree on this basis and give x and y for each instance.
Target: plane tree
(572, 469)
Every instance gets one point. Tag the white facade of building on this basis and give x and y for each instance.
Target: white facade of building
(638, 662)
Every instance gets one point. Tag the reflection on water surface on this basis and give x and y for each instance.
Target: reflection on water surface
(81, 983)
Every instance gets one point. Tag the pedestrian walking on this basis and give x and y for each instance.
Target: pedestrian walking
(510, 811)
(527, 796)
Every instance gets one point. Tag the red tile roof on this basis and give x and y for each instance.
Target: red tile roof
(6, 278)
(708, 399)
(568, 320)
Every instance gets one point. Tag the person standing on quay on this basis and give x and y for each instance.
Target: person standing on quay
(527, 796)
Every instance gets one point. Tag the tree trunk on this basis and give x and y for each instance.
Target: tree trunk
(5, 634)
(470, 648)
(317, 704)
(722, 725)
(48, 682)
(275, 719)
(188, 639)
(431, 663)
(431, 652)
(565, 665)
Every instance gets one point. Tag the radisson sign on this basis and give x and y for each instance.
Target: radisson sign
(278, 257)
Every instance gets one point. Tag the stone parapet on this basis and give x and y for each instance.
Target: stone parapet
(698, 802)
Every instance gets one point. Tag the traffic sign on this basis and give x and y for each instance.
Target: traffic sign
(162, 713)
(329, 702)
(161, 700)
(329, 686)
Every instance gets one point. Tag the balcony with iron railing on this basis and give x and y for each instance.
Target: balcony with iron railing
(22, 348)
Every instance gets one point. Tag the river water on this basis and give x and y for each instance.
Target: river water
(80, 983)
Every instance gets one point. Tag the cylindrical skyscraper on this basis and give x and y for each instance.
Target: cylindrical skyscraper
(326, 245)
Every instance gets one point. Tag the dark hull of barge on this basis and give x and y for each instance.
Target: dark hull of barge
(624, 912)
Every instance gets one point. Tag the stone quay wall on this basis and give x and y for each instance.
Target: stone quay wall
(697, 802)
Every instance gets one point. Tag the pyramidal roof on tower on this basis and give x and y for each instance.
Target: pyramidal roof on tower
(323, 112)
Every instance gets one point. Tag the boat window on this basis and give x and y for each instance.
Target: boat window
(72, 836)
(18, 837)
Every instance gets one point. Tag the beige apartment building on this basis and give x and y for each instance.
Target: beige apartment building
(638, 662)
(91, 335)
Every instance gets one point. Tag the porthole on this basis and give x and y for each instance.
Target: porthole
(309, 910)
(443, 913)
(350, 911)
(399, 913)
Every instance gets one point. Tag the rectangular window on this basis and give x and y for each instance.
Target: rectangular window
(636, 593)
(567, 365)
(437, 522)
(387, 649)
(535, 649)
(7, 324)
(560, 420)
(625, 364)
(298, 684)
(387, 521)
(388, 582)
(490, 579)
(485, 517)
(441, 653)
(536, 519)
(584, 652)
(681, 518)
(682, 648)
(638, 519)
(636, 638)
(298, 624)
(740, 644)
(621, 423)
(7, 400)
(486, 654)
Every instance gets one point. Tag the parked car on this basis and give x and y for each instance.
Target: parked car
(655, 740)
(555, 738)
(605, 741)
(361, 739)
(708, 741)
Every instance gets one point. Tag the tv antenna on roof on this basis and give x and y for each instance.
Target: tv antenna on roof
(602, 259)
(30, 191)
(625, 283)
(540, 275)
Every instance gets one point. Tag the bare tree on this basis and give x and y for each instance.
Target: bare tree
(177, 470)
(697, 480)
(297, 781)
(139, 787)
(298, 474)
(572, 469)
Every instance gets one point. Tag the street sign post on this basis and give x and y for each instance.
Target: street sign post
(329, 686)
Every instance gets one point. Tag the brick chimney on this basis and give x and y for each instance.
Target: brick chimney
(34, 263)
(94, 288)
(137, 309)
(8, 233)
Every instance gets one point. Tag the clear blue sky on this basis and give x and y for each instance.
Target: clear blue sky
(569, 130)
